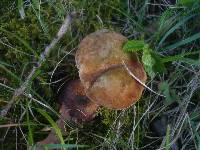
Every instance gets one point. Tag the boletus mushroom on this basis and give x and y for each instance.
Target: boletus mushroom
(105, 79)
(75, 106)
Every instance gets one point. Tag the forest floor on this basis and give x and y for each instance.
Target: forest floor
(171, 28)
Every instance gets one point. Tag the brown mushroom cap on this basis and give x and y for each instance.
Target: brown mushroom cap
(76, 105)
(106, 81)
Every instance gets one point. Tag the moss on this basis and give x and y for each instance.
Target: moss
(37, 34)
(32, 33)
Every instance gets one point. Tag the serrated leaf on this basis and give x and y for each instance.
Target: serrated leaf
(152, 61)
(133, 46)
(159, 65)
(164, 88)
(148, 61)
(170, 94)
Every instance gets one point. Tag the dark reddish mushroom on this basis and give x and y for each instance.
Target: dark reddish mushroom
(106, 81)
(75, 106)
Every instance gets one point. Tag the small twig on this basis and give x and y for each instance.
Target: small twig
(20, 91)
(138, 80)
(10, 125)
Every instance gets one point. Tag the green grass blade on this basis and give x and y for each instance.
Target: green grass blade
(179, 57)
(37, 10)
(195, 115)
(128, 16)
(174, 28)
(182, 42)
(192, 61)
(6, 64)
(61, 146)
(168, 138)
(10, 72)
(30, 132)
(53, 124)
(21, 8)
(165, 16)
(59, 8)
(25, 43)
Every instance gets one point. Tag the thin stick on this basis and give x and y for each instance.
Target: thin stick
(138, 80)
(10, 125)
(19, 91)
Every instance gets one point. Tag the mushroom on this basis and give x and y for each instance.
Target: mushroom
(75, 106)
(105, 79)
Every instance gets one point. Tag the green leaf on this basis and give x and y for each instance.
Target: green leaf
(164, 88)
(170, 94)
(151, 60)
(53, 124)
(133, 46)
(148, 61)
(159, 65)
